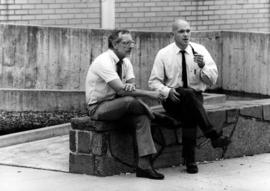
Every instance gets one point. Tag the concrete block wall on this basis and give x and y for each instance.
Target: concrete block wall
(157, 15)
(51, 12)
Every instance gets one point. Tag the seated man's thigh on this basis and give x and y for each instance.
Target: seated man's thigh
(117, 108)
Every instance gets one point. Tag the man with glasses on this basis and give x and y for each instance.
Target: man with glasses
(111, 95)
(181, 72)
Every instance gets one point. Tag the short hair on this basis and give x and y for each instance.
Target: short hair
(115, 36)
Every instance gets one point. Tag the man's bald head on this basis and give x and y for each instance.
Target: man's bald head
(179, 22)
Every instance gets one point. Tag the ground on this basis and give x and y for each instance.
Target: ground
(47, 162)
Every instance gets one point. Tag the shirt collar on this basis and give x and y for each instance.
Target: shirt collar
(177, 49)
(113, 55)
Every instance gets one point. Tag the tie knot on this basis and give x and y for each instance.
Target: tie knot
(120, 62)
(182, 51)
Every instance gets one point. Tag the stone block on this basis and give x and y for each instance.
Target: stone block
(81, 163)
(217, 119)
(72, 140)
(99, 143)
(107, 166)
(122, 146)
(165, 136)
(82, 123)
(171, 156)
(84, 141)
(87, 124)
(170, 136)
(252, 111)
(232, 115)
(249, 137)
(208, 153)
(205, 151)
(266, 112)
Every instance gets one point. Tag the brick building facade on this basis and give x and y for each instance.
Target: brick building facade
(81, 13)
(247, 15)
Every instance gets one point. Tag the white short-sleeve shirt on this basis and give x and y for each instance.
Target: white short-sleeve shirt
(102, 71)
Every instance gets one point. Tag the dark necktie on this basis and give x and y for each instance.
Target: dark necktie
(119, 68)
(184, 69)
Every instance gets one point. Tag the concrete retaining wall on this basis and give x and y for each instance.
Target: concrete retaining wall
(47, 58)
(246, 62)
(58, 58)
(44, 68)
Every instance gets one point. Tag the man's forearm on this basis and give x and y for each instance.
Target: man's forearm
(139, 93)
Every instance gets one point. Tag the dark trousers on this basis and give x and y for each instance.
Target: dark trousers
(191, 113)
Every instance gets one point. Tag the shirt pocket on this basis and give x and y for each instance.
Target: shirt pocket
(194, 73)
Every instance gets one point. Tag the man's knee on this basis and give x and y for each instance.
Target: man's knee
(190, 93)
(186, 92)
(131, 101)
(133, 106)
(128, 99)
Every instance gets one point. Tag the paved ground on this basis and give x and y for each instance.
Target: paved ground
(52, 153)
(240, 174)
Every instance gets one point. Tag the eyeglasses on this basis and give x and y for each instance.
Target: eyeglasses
(128, 43)
(183, 31)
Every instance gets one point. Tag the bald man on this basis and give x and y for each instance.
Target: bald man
(181, 72)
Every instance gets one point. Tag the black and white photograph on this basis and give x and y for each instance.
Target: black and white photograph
(134, 95)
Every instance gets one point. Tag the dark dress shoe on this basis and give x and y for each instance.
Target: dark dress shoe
(221, 142)
(149, 173)
(192, 168)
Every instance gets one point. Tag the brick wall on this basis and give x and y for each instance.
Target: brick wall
(82, 13)
(248, 15)
(154, 15)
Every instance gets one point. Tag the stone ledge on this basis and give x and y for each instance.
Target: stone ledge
(240, 120)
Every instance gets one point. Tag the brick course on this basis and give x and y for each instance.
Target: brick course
(154, 15)
(214, 14)
(51, 12)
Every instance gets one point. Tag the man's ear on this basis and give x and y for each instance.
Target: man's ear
(115, 44)
(171, 35)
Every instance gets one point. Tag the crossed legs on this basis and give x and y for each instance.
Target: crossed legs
(131, 110)
(191, 113)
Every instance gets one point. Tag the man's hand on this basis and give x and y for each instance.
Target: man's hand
(174, 96)
(129, 87)
(198, 58)
(156, 95)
